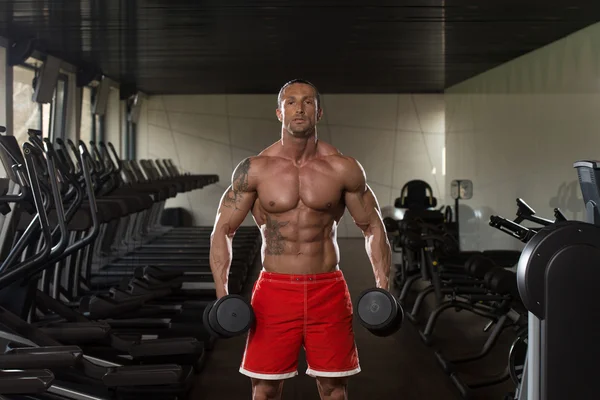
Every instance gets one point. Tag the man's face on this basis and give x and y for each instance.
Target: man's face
(298, 111)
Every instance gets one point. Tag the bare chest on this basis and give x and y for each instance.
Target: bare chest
(293, 187)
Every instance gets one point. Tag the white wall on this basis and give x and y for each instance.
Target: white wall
(516, 131)
(395, 137)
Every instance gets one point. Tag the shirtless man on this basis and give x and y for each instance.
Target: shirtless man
(297, 190)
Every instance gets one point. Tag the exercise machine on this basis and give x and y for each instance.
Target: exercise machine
(557, 277)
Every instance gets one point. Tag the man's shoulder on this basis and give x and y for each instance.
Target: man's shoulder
(249, 166)
(333, 155)
(256, 159)
(343, 163)
(348, 168)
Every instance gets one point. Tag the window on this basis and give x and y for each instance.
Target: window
(27, 114)
(85, 133)
(45, 112)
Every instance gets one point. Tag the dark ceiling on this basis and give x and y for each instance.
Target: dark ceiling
(238, 46)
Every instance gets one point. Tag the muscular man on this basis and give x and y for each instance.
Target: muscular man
(297, 190)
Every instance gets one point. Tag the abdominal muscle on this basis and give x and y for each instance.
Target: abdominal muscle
(297, 243)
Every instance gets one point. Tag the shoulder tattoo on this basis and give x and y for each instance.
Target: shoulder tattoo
(239, 185)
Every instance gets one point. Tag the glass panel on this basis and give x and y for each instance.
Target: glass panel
(26, 112)
(46, 109)
(85, 133)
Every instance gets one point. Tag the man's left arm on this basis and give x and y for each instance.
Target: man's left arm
(365, 211)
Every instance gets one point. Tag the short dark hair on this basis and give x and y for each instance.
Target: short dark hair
(317, 94)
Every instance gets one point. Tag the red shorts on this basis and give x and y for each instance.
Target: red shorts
(314, 311)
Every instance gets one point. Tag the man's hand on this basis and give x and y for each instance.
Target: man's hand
(383, 283)
(364, 209)
(222, 291)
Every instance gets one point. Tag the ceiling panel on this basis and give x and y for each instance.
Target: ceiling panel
(230, 46)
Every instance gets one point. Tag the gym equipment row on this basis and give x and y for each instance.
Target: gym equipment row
(432, 268)
(543, 294)
(97, 299)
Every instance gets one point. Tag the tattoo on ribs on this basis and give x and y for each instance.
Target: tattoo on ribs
(239, 186)
(274, 238)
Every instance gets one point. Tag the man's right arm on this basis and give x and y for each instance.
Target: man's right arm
(234, 206)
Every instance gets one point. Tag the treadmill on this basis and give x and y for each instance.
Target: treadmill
(100, 306)
(89, 377)
(193, 273)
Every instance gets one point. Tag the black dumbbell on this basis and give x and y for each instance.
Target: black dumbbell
(477, 266)
(380, 312)
(230, 316)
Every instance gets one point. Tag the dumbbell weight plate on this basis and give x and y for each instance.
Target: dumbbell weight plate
(230, 316)
(394, 326)
(478, 265)
(379, 312)
(206, 322)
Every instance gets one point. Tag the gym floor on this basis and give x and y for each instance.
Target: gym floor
(396, 367)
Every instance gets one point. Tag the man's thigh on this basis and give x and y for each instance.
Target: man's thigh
(329, 337)
(274, 342)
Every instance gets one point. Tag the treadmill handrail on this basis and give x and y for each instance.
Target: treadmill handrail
(91, 235)
(19, 270)
(38, 149)
(60, 215)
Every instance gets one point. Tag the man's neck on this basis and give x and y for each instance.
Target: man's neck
(299, 149)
